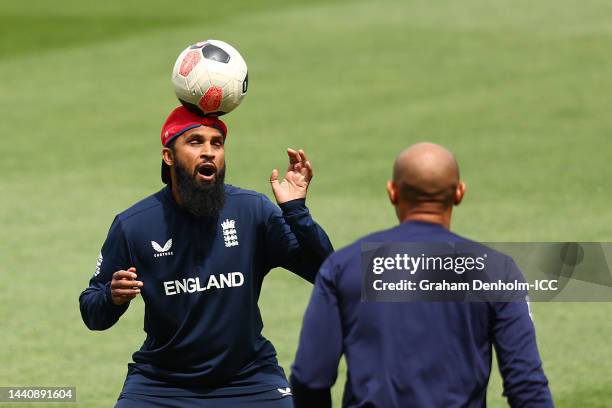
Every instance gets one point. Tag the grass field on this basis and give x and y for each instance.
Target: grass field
(519, 90)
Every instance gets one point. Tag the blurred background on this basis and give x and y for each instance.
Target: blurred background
(519, 91)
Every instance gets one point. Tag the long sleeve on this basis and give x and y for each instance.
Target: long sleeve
(316, 363)
(293, 240)
(525, 384)
(97, 308)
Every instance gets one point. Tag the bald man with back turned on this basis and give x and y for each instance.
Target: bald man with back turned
(417, 353)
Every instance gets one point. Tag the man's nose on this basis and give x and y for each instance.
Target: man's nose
(207, 152)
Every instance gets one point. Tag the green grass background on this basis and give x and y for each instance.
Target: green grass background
(519, 90)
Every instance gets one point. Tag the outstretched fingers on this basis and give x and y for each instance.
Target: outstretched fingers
(294, 158)
(306, 165)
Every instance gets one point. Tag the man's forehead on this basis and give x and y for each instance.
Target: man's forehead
(203, 131)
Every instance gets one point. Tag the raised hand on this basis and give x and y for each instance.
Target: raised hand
(295, 183)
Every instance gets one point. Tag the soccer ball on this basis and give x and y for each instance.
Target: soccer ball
(210, 78)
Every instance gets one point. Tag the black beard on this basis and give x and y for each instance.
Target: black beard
(201, 200)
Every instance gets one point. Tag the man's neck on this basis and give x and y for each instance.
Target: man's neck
(175, 194)
(433, 216)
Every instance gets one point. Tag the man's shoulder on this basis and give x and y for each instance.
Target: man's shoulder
(353, 250)
(232, 190)
(142, 208)
(243, 195)
(407, 233)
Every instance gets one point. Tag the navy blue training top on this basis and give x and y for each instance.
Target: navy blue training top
(412, 354)
(201, 282)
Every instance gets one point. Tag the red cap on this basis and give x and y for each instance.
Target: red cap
(181, 120)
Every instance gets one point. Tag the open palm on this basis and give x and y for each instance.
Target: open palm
(295, 183)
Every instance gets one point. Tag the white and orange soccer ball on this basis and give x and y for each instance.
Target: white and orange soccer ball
(210, 77)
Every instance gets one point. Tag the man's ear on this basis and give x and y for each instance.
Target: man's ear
(392, 192)
(459, 193)
(167, 156)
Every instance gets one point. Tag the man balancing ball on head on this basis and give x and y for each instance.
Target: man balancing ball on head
(197, 252)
